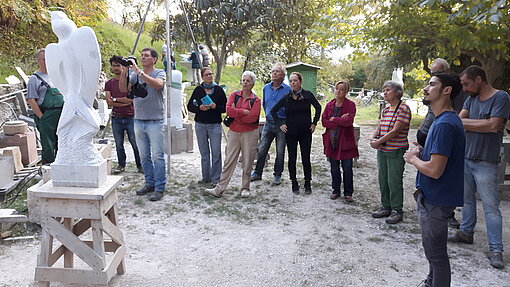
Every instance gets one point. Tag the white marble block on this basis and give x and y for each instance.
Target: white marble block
(6, 171)
(90, 175)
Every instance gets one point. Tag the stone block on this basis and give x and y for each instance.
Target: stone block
(6, 172)
(26, 143)
(15, 127)
(104, 149)
(79, 176)
(15, 153)
(182, 139)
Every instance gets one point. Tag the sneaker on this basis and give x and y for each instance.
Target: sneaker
(334, 196)
(144, 190)
(277, 180)
(395, 217)
(213, 192)
(496, 259)
(204, 181)
(452, 221)
(255, 176)
(120, 168)
(156, 196)
(382, 212)
(245, 193)
(348, 199)
(461, 237)
(295, 187)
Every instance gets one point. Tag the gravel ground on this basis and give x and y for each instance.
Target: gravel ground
(274, 238)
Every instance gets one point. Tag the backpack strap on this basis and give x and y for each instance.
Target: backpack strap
(42, 81)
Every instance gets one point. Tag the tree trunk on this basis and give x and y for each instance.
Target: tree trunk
(494, 69)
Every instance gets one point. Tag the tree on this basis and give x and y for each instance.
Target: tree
(418, 30)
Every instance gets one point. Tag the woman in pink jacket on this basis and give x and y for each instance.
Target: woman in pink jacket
(339, 141)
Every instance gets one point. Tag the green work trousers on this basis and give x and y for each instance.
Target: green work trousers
(391, 170)
(47, 126)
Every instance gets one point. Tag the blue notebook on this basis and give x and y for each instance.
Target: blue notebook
(206, 100)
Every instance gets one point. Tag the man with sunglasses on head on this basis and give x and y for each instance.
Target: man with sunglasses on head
(149, 117)
(123, 114)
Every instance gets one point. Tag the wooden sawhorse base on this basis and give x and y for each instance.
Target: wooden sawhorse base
(66, 214)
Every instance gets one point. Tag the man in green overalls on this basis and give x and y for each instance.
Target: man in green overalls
(46, 102)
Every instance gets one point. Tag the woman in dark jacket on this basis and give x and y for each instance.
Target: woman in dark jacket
(208, 102)
(298, 127)
(339, 141)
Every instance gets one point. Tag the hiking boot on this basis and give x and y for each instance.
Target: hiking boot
(452, 221)
(382, 212)
(334, 196)
(496, 259)
(119, 169)
(213, 192)
(245, 193)
(308, 187)
(277, 180)
(295, 187)
(461, 237)
(255, 177)
(395, 217)
(156, 195)
(146, 189)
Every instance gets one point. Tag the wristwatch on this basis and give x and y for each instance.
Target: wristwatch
(114, 99)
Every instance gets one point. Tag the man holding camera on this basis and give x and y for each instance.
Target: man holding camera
(149, 117)
(123, 113)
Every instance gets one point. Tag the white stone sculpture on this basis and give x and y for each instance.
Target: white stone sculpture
(74, 66)
(176, 95)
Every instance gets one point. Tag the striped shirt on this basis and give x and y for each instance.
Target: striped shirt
(387, 122)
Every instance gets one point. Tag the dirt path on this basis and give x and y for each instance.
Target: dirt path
(272, 239)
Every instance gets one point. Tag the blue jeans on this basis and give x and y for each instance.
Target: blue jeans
(149, 138)
(336, 177)
(119, 126)
(269, 133)
(482, 176)
(209, 145)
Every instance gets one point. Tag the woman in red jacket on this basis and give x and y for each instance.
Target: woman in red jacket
(339, 141)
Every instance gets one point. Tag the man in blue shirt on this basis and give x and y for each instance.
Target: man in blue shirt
(272, 93)
(439, 181)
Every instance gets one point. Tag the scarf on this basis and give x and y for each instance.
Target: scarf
(210, 86)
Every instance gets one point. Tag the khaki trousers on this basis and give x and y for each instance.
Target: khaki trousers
(246, 143)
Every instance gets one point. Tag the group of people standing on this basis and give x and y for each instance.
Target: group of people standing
(457, 155)
(289, 120)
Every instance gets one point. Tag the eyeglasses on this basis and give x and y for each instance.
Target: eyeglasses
(276, 71)
(208, 74)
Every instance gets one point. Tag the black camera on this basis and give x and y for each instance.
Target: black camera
(125, 61)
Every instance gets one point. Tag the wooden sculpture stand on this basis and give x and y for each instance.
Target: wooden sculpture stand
(67, 213)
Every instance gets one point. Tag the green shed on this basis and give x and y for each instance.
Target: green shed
(309, 73)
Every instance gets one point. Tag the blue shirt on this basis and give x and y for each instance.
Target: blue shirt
(271, 97)
(446, 137)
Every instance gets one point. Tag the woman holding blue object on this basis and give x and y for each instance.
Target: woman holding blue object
(208, 102)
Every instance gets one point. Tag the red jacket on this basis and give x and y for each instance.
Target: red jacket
(243, 123)
(347, 147)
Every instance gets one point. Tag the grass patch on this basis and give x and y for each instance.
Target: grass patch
(139, 202)
(375, 239)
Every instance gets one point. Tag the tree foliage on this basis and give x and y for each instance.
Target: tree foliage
(464, 32)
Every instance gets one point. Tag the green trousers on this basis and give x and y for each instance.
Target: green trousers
(391, 170)
(47, 126)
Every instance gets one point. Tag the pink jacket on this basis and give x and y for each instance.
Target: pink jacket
(347, 147)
